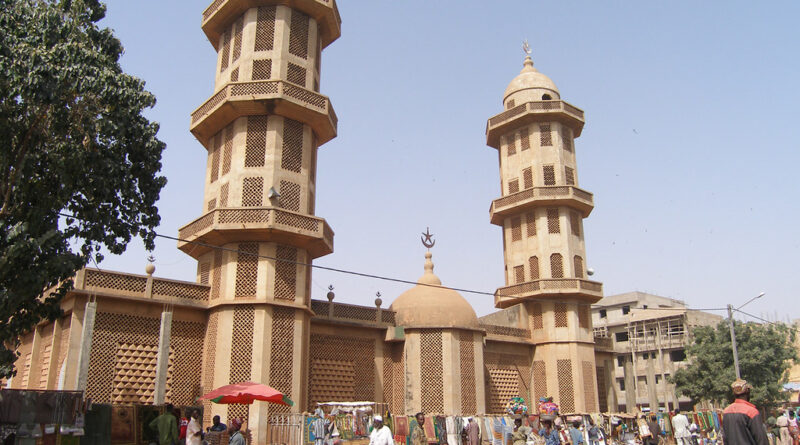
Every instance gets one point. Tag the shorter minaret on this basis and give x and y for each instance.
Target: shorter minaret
(541, 211)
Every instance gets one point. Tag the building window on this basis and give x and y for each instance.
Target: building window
(645, 356)
(527, 178)
(556, 266)
(578, 266)
(621, 336)
(530, 223)
(553, 224)
(544, 136)
(677, 355)
(512, 145)
(516, 228)
(513, 186)
(569, 176)
(658, 379)
(620, 361)
(519, 274)
(533, 265)
(621, 384)
(603, 313)
(549, 174)
(626, 310)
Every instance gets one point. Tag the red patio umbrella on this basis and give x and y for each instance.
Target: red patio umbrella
(246, 393)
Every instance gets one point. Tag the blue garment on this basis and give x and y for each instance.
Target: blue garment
(576, 435)
(550, 439)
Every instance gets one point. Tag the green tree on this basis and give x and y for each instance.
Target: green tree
(74, 142)
(765, 354)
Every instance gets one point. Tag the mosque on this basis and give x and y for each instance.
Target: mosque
(128, 338)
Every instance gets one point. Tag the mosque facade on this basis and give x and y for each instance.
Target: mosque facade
(127, 338)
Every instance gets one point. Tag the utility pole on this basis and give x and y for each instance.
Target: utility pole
(733, 343)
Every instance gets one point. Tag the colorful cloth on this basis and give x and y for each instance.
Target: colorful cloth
(401, 425)
(430, 429)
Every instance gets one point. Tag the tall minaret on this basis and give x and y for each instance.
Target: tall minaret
(541, 211)
(261, 128)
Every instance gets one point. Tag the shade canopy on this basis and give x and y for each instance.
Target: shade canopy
(245, 393)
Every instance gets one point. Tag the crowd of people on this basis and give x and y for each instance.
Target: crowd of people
(173, 429)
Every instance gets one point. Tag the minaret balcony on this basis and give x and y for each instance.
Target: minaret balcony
(266, 224)
(539, 111)
(590, 291)
(221, 13)
(558, 195)
(238, 99)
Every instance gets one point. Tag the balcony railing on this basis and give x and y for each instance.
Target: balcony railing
(548, 195)
(141, 286)
(510, 295)
(558, 108)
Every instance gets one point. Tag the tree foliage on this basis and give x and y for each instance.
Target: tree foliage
(75, 142)
(765, 354)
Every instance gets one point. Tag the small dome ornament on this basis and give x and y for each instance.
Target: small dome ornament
(150, 267)
(330, 295)
(378, 301)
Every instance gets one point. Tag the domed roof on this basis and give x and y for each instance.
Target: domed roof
(530, 78)
(431, 305)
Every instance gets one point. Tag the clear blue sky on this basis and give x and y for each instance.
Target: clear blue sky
(690, 145)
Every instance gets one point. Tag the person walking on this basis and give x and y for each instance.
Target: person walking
(784, 436)
(680, 428)
(575, 434)
(741, 421)
(549, 433)
(655, 430)
(194, 432)
(167, 426)
(594, 432)
(381, 434)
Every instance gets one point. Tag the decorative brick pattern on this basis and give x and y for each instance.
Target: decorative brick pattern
(45, 353)
(394, 377)
(256, 144)
(466, 350)
(212, 204)
(235, 74)
(296, 74)
(215, 158)
(566, 389)
(292, 153)
(560, 315)
(530, 223)
(539, 379)
(553, 221)
(575, 223)
(227, 150)
(252, 192)
(265, 28)
(602, 395)
(516, 228)
(286, 274)
(223, 195)
(175, 289)
(342, 368)
(578, 263)
(506, 373)
(23, 362)
(569, 176)
(241, 354)
(225, 54)
(104, 280)
(545, 138)
(533, 266)
(216, 276)
(63, 348)
(110, 332)
(210, 354)
(290, 196)
(262, 69)
(537, 322)
(524, 138)
(588, 385)
(519, 274)
(282, 354)
(237, 38)
(513, 186)
(135, 373)
(186, 341)
(511, 142)
(566, 134)
(246, 270)
(354, 312)
(431, 370)
(527, 178)
(549, 175)
(298, 34)
(584, 320)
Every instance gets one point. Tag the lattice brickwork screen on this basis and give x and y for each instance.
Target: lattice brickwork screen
(23, 362)
(512, 145)
(527, 178)
(296, 74)
(567, 135)
(545, 139)
(506, 373)
(510, 104)
(536, 315)
(516, 228)
(549, 175)
(282, 354)
(292, 155)
(298, 34)
(256, 144)
(539, 379)
(286, 274)
(569, 176)
(209, 353)
(530, 223)
(588, 385)
(225, 54)
(556, 266)
(602, 395)
(204, 271)
(216, 276)
(583, 316)
(431, 371)
(290, 196)
(575, 223)
(513, 186)
(135, 373)
(216, 141)
(241, 354)
(110, 331)
(246, 270)
(186, 343)
(212, 204)
(578, 264)
(533, 266)
(560, 314)
(265, 28)
(349, 368)
(262, 69)
(394, 378)
(519, 274)
(252, 192)
(223, 195)
(235, 74)
(466, 350)
(227, 149)
(553, 221)
(566, 389)
(524, 139)
(237, 38)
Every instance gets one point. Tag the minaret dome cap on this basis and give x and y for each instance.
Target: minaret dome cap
(530, 85)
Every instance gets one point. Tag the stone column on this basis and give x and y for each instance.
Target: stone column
(162, 362)
(86, 344)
